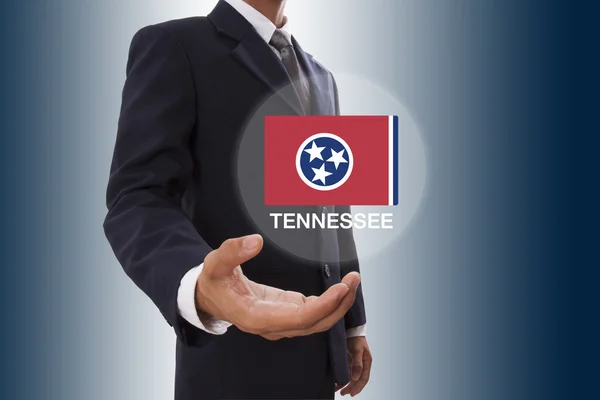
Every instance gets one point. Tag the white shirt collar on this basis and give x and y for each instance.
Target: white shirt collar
(262, 24)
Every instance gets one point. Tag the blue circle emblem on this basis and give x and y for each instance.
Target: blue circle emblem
(324, 161)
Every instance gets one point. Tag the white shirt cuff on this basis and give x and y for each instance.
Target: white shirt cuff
(186, 303)
(358, 331)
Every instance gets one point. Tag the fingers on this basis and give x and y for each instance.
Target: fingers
(364, 378)
(357, 386)
(329, 320)
(352, 280)
(233, 252)
(320, 314)
(281, 317)
(339, 387)
(348, 388)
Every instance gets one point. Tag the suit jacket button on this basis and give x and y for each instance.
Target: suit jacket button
(327, 270)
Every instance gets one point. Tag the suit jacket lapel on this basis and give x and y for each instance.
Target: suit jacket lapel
(259, 58)
(254, 54)
(321, 89)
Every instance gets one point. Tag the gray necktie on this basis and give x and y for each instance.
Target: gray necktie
(290, 61)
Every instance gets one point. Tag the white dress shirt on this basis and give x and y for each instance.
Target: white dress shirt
(187, 288)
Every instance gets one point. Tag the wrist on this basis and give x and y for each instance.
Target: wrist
(201, 300)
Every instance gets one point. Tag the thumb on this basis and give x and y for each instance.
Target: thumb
(357, 364)
(233, 252)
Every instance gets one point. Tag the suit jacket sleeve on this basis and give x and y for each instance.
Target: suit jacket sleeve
(356, 316)
(151, 236)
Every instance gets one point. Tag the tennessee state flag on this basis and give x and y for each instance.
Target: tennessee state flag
(331, 160)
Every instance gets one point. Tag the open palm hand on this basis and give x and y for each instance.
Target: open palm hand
(224, 292)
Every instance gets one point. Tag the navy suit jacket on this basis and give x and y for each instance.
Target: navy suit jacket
(192, 86)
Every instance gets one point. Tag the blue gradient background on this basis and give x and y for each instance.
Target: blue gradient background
(471, 302)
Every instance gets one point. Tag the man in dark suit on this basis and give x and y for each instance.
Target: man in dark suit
(286, 327)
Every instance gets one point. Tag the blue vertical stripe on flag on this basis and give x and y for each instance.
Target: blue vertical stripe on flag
(395, 161)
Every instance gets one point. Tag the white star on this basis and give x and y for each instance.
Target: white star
(337, 158)
(320, 174)
(315, 152)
